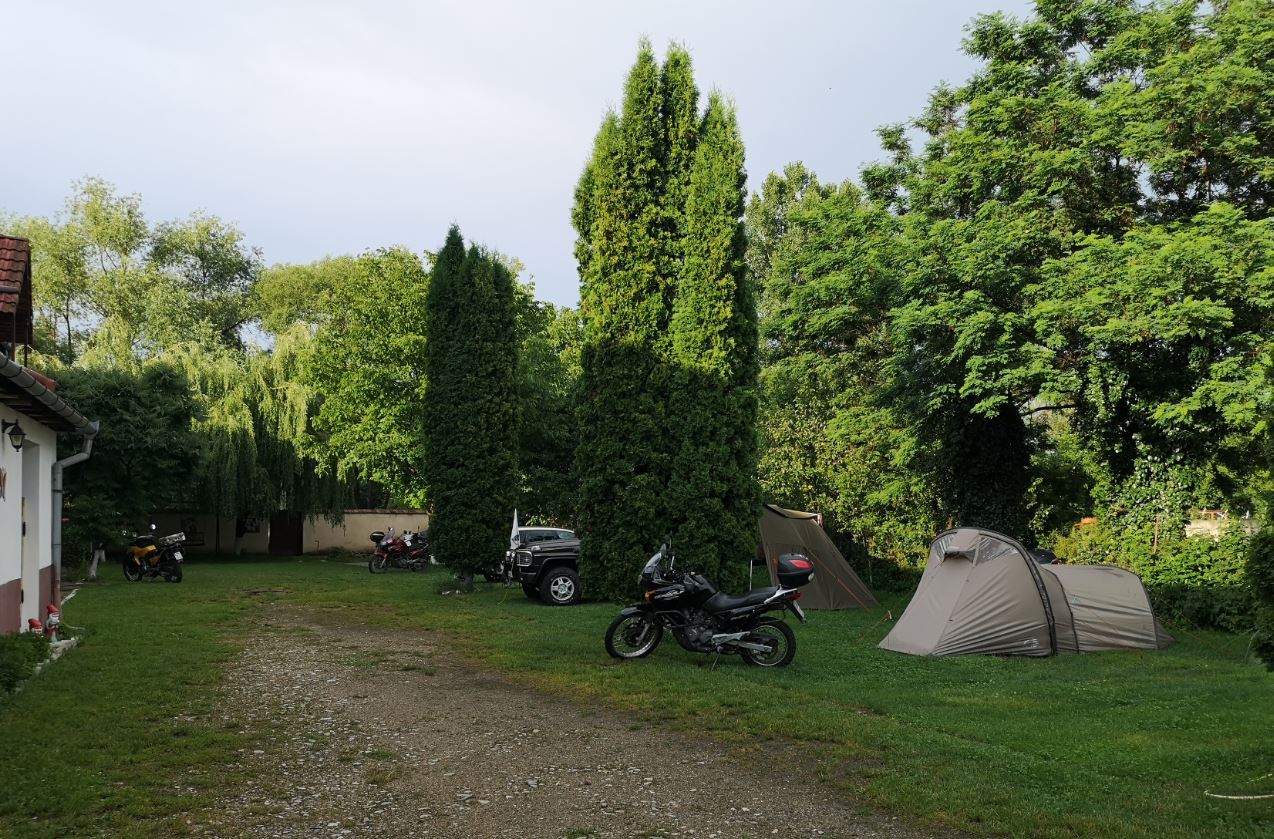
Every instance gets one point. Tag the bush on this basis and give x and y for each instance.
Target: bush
(19, 654)
(1199, 581)
(1260, 577)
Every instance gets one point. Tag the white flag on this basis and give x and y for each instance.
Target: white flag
(513, 535)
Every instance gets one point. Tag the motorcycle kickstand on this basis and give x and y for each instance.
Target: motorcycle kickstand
(715, 658)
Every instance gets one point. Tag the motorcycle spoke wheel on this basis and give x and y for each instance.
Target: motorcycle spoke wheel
(378, 564)
(776, 635)
(633, 636)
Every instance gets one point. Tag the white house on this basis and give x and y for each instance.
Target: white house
(31, 415)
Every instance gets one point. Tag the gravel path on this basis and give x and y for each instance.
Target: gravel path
(374, 734)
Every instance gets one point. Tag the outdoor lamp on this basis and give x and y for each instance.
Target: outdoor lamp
(16, 435)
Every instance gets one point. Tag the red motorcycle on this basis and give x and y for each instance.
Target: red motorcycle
(410, 551)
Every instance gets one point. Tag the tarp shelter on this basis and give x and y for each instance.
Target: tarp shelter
(835, 585)
(982, 593)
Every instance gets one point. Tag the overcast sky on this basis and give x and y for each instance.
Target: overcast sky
(327, 128)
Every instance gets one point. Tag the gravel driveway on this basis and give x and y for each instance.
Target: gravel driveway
(384, 734)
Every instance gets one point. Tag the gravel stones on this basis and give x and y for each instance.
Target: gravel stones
(363, 741)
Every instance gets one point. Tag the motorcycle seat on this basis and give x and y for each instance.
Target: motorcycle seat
(725, 602)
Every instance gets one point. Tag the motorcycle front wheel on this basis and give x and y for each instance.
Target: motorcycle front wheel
(378, 564)
(132, 572)
(776, 635)
(633, 636)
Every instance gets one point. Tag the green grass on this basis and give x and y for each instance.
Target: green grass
(1116, 744)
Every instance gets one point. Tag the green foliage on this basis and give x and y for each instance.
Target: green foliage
(288, 294)
(669, 361)
(1065, 305)
(547, 394)
(144, 456)
(19, 655)
(828, 264)
(712, 492)
(369, 365)
(1260, 577)
(470, 406)
(1194, 582)
(258, 452)
(110, 288)
(624, 240)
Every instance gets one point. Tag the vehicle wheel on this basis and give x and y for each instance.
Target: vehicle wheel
(560, 587)
(633, 636)
(531, 590)
(132, 572)
(173, 575)
(778, 636)
(378, 564)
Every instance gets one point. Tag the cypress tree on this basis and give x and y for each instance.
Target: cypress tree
(620, 216)
(654, 210)
(713, 402)
(470, 422)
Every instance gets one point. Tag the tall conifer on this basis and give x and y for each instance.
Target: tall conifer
(712, 406)
(634, 239)
(621, 460)
(470, 422)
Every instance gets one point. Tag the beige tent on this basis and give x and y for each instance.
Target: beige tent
(835, 585)
(983, 594)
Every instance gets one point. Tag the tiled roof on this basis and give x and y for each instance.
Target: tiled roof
(15, 261)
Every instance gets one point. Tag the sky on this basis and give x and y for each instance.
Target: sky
(324, 128)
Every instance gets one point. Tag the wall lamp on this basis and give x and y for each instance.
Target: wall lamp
(16, 435)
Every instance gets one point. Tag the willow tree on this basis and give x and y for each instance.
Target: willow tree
(470, 406)
(712, 406)
(257, 453)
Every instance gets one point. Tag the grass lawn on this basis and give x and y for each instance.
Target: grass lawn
(113, 739)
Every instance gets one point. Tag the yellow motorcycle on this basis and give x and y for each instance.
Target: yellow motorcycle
(151, 556)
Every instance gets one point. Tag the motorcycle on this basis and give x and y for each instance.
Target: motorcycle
(149, 556)
(411, 551)
(705, 620)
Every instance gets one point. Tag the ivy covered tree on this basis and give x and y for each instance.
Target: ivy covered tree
(713, 495)
(470, 406)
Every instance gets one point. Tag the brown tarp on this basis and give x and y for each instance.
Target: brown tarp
(835, 585)
(982, 594)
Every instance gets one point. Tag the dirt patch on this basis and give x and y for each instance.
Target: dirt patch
(373, 733)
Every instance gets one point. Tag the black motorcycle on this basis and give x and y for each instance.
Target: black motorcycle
(704, 620)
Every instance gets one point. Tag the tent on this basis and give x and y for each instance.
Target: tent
(982, 593)
(835, 585)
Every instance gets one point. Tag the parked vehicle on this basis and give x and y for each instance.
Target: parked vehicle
(410, 550)
(545, 560)
(704, 620)
(152, 557)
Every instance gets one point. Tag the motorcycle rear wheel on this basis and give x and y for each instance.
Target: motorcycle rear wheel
(633, 636)
(173, 574)
(378, 564)
(781, 640)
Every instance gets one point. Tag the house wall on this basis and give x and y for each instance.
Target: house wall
(202, 538)
(25, 588)
(319, 536)
(352, 533)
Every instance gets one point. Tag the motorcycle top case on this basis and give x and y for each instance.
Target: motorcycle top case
(377, 535)
(794, 570)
